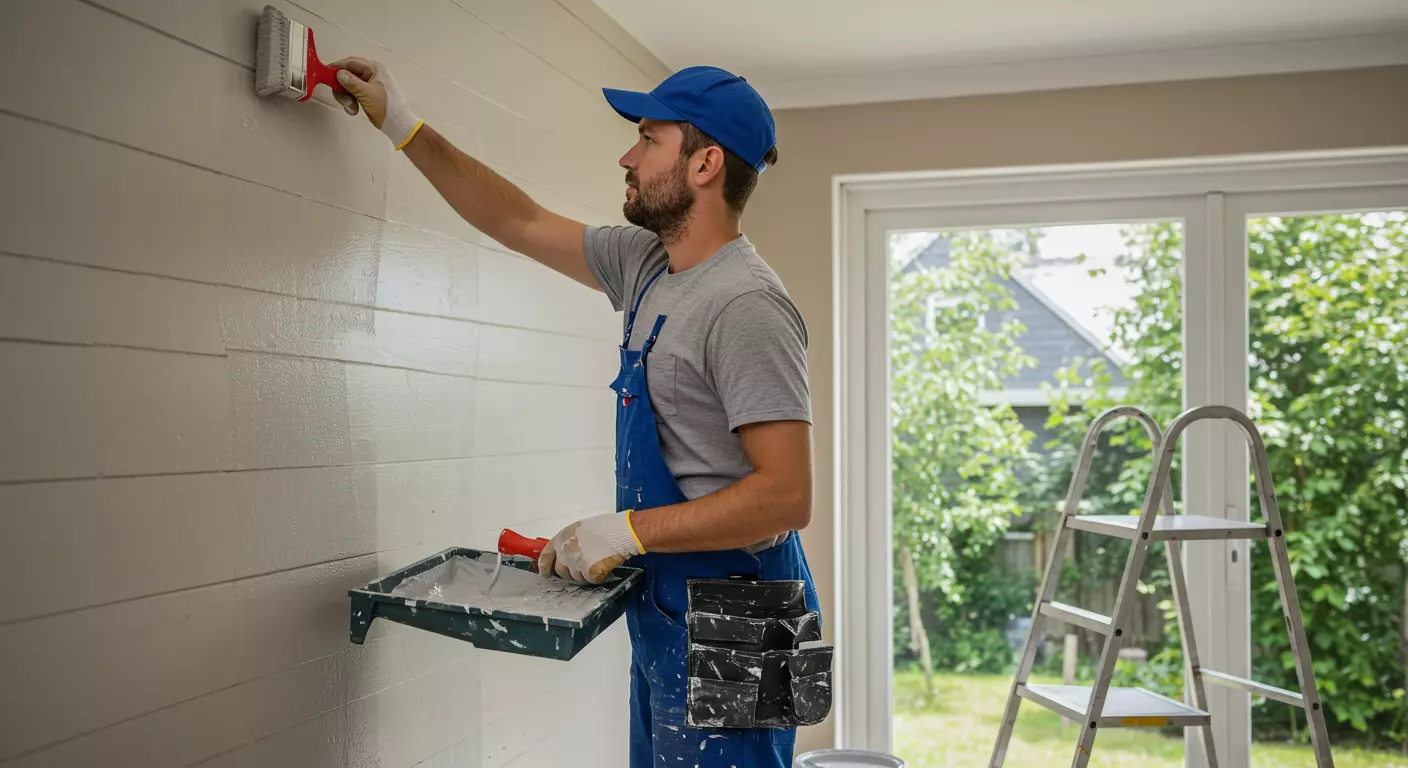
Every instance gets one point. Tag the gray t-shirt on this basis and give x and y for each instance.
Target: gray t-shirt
(733, 350)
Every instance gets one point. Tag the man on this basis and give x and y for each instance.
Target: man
(713, 433)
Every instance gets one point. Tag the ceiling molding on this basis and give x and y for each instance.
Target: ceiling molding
(1055, 74)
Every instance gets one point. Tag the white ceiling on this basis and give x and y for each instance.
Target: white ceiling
(812, 52)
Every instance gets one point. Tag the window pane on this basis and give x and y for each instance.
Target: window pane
(1328, 324)
(1004, 344)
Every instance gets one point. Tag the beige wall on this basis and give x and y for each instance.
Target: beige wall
(790, 217)
(248, 359)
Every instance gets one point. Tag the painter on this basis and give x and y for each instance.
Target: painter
(713, 413)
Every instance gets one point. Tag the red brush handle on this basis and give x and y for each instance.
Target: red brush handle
(318, 72)
(511, 543)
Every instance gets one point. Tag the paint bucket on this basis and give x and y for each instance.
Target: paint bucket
(848, 758)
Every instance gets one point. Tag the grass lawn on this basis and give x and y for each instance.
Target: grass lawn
(957, 725)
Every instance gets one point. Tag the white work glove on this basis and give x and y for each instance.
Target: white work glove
(588, 550)
(370, 82)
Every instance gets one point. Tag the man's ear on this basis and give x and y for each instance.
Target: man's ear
(708, 164)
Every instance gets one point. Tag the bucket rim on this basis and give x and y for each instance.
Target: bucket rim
(860, 758)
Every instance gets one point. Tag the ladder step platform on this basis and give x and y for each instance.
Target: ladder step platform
(1124, 707)
(1078, 616)
(1261, 689)
(1183, 527)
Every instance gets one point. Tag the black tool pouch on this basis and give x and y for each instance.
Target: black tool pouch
(756, 658)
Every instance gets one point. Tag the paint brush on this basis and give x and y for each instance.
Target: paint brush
(511, 543)
(285, 60)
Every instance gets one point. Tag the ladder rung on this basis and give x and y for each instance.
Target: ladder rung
(1184, 527)
(1261, 689)
(1078, 616)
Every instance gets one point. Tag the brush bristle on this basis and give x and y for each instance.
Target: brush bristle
(271, 53)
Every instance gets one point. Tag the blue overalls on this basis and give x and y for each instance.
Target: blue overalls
(655, 615)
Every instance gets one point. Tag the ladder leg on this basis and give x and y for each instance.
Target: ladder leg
(1193, 670)
(1028, 660)
(1084, 746)
(1105, 670)
(1290, 604)
(1134, 565)
(1280, 560)
(1300, 649)
(1049, 579)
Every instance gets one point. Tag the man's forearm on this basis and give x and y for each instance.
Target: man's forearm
(755, 508)
(489, 202)
(495, 206)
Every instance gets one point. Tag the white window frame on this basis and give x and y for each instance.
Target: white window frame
(935, 302)
(1213, 197)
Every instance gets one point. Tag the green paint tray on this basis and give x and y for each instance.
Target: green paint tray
(545, 636)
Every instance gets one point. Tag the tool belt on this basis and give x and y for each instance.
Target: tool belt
(756, 658)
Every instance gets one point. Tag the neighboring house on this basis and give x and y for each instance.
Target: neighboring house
(1052, 337)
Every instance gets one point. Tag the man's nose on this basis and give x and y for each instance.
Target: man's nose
(628, 160)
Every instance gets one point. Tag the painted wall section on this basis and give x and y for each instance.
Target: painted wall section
(789, 218)
(248, 359)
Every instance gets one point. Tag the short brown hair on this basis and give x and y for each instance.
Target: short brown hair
(740, 179)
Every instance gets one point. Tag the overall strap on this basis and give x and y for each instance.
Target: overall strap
(631, 319)
(654, 334)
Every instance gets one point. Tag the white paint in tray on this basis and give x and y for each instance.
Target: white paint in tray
(461, 581)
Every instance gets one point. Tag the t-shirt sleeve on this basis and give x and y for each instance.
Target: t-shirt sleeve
(615, 256)
(757, 355)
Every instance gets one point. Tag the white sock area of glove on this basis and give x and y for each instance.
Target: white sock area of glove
(400, 122)
(594, 540)
(621, 540)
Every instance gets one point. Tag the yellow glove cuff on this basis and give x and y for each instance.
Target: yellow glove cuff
(632, 529)
(414, 131)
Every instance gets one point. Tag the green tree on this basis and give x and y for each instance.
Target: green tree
(1329, 373)
(955, 460)
(1329, 389)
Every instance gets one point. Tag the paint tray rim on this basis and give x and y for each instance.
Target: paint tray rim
(379, 590)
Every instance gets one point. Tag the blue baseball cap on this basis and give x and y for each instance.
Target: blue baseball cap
(722, 105)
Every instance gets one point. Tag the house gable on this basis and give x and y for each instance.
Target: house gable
(1052, 338)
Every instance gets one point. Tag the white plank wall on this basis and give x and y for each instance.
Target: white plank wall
(249, 359)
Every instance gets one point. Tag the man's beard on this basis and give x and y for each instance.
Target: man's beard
(663, 206)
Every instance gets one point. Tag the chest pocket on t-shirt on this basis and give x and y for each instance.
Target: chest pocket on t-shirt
(662, 372)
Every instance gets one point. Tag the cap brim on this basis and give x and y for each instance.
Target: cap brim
(636, 106)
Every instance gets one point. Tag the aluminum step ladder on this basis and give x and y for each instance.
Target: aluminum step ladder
(1102, 706)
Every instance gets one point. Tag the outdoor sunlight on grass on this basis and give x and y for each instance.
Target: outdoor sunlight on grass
(956, 727)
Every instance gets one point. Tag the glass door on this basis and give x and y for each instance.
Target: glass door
(1327, 328)
(1005, 342)
(984, 316)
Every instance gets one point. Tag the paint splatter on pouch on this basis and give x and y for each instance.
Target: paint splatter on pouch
(756, 659)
